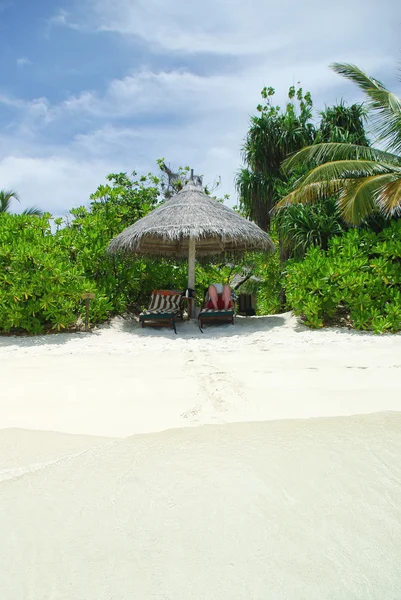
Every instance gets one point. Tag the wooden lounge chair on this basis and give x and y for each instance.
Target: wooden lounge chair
(165, 306)
(213, 315)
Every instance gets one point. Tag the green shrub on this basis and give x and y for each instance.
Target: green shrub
(121, 279)
(301, 226)
(43, 273)
(356, 281)
(40, 289)
(267, 284)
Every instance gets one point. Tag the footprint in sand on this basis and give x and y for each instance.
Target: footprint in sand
(218, 392)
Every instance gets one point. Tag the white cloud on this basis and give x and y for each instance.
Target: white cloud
(157, 92)
(187, 95)
(208, 26)
(63, 19)
(12, 102)
(196, 116)
(243, 28)
(37, 105)
(54, 183)
(131, 129)
(29, 116)
(23, 61)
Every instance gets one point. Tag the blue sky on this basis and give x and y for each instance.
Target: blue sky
(94, 86)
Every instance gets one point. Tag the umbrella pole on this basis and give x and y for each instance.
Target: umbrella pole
(191, 275)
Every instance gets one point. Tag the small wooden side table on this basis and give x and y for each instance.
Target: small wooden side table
(190, 306)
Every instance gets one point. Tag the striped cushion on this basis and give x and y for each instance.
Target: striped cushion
(165, 302)
(158, 311)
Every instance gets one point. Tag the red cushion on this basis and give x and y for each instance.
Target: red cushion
(220, 303)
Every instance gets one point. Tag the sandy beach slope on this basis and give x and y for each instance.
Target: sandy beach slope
(23, 451)
(109, 490)
(122, 380)
(262, 511)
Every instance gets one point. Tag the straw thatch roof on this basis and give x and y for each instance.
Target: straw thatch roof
(191, 213)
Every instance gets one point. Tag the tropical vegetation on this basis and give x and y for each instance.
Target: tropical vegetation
(274, 134)
(329, 198)
(6, 198)
(47, 265)
(365, 180)
(356, 282)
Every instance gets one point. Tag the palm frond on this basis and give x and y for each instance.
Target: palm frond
(387, 121)
(359, 197)
(345, 169)
(6, 197)
(355, 74)
(33, 210)
(389, 197)
(12, 194)
(327, 152)
(313, 192)
(385, 105)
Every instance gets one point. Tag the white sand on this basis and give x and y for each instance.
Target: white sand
(263, 511)
(274, 510)
(123, 380)
(23, 451)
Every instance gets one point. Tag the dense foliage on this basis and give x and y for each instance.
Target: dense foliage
(113, 207)
(266, 283)
(275, 133)
(272, 136)
(365, 180)
(304, 226)
(40, 288)
(357, 281)
(343, 124)
(44, 272)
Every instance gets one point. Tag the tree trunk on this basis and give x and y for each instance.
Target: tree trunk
(284, 256)
(261, 212)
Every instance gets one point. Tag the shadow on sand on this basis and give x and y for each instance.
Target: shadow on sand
(189, 329)
(300, 327)
(32, 341)
(243, 326)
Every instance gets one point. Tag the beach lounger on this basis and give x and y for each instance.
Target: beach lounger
(219, 315)
(165, 306)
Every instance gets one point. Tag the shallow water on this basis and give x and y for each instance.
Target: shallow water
(306, 509)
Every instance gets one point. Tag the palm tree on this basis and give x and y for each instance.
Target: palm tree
(6, 197)
(366, 180)
(272, 136)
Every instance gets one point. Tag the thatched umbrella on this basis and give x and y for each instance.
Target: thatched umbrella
(188, 224)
